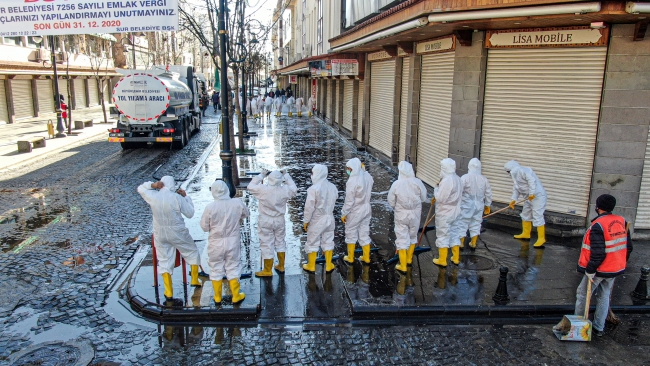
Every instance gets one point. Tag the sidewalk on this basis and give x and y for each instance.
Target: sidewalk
(28, 128)
(541, 282)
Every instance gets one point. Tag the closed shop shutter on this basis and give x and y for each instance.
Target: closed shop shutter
(22, 98)
(335, 117)
(437, 83)
(541, 109)
(45, 95)
(4, 116)
(328, 97)
(403, 117)
(382, 90)
(79, 93)
(360, 110)
(643, 210)
(348, 94)
(93, 92)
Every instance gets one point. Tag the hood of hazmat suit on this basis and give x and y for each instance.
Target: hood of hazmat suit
(219, 190)
(358, 191)
(477, 192)
(273, 196)
(525, 181)
(448, 196)
(321, 198)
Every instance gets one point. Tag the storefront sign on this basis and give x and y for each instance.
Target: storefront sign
(401, 52)
(320, 69)
(570, 36)
(56, 17)
(376, 56)
(314, 86)
(436, 45)
(345, 67)
(293, 79)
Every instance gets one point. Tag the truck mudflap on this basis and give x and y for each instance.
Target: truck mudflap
(114, 137)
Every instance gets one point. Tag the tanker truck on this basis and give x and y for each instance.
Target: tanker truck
(160, 105)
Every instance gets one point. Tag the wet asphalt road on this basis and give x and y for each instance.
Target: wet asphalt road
(71, 222)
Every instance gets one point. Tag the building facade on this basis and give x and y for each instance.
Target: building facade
(561, 87)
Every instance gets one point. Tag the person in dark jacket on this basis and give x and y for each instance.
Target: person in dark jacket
(606, 248)
(215, 100)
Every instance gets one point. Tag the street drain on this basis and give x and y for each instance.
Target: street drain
(55, 354)
(476, 262)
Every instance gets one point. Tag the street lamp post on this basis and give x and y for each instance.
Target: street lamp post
(57, 96)
(226, 154)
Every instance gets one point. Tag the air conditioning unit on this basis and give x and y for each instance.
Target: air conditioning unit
(41, 54)
(61, 57)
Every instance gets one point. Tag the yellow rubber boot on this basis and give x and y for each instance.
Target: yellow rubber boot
(527, 227)
(402, 260)
(462, 242)
(310, 266)
(290, 114)
(299, 114)
(280, 266)
(409, 254)
(350, 257)
(218, 290)
(167, 282)
(194, 275)
(442, 257)
(329, 267)
(541, 236)
(365, 258)
(455, 254)
(266, 271)
(234, 288)
(309, 114)
(472, 244)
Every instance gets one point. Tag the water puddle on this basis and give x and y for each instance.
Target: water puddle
(41, 329)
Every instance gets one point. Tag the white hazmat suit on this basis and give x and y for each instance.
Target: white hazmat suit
(273, 199)
(311, 102)
(252, 110)
(477, 195)
(299, 106)
(222, 219)
(356, 209)
(268, 105)
(406, 196)
(170, 232)
(527, 185)
(319, 218)
(278, 106)
(290, 102)
(448, 195)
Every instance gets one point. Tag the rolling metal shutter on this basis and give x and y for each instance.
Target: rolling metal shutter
(4, 116)
(403, 117)
(437, 83)
(45, 95)
(93, 92)
(79, 93)
(22, 98)
(382, 90)
(360, 111)
(348, 94)
(63, 90)
(337, 103)
(541, 109)
(328, 97)
(643, 210)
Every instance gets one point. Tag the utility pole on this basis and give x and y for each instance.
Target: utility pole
(226, 154)
(243, 78)
(57, 98)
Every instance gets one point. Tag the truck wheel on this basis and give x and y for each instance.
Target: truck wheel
(179, 144)
(198, 124)
(188, 132)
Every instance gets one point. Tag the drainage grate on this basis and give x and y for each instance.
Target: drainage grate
(55, 354)
(476, 262)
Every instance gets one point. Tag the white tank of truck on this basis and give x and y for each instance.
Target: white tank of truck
(143, 97)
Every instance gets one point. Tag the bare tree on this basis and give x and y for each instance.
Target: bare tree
(97, 50)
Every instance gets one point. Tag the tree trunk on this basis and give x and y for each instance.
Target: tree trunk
(235, 168)
(101, 97)
(119, 59)
(240, 121)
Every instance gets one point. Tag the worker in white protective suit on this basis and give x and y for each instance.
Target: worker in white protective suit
(273, 199)
(299, 102)
(447, 196)
(222, 220)
(476, 201)
(260, 107)
(252, 110)
(527, 185)
(356, 212)
(318, 219)
(170, 234)
(290, 101)
(278, 106)
(268, 105)
(405, 197)
(310, 104)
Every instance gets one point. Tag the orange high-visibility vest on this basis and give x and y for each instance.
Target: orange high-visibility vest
(615, 245)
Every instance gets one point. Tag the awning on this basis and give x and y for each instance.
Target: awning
(106, 36)
(303, 70)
